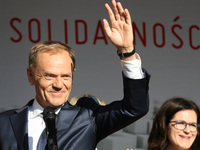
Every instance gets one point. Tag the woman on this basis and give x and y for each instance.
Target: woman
(175, 126)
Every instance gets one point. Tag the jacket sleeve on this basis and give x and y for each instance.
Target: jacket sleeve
(119, 114)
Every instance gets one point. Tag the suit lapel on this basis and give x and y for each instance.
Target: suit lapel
(66, 116)
(20, 126)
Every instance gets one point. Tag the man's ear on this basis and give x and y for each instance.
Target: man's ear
(31, 77)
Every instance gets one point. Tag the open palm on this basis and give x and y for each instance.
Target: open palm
(120, 33)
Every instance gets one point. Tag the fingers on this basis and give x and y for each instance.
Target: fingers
(119, 12)
(115, 9)
(107, 27)
(124, 13)
(110, 12)
(127, 16)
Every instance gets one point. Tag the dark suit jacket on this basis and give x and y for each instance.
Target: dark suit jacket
(82, 126)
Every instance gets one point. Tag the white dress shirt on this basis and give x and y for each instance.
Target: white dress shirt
(131, 69)
(36, 124)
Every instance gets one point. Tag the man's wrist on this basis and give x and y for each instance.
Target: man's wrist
(128, 54)
(133, 69)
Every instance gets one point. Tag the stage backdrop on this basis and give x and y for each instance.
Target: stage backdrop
(167, 37)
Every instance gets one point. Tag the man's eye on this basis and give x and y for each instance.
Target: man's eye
(48, 76)
(67, 76)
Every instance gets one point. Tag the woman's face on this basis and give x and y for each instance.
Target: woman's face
(182, 139)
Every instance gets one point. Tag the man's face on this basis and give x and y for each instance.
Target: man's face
(53, 78)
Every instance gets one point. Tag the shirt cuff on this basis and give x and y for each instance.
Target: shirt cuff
(133, 69)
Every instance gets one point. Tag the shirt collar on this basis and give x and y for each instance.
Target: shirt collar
(37, 109)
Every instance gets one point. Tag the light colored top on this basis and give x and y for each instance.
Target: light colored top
(36, 124)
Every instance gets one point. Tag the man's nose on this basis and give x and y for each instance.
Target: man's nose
(58, 83)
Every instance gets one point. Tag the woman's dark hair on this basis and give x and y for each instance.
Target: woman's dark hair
(158, 139)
